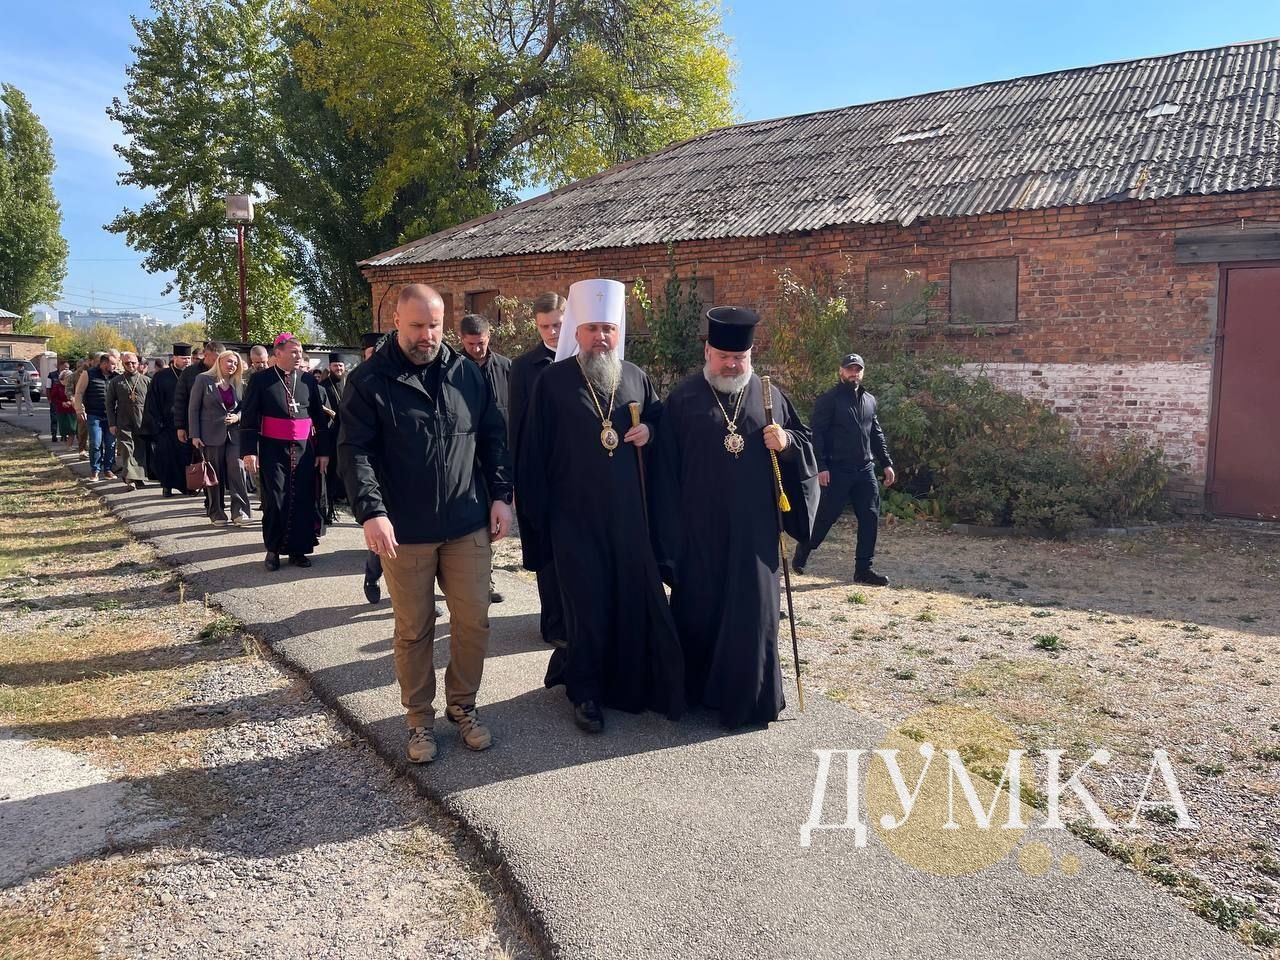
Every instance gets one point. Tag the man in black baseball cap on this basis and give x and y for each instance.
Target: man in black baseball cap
(848, 442)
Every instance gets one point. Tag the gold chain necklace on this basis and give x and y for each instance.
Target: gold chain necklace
(608, 435)
(733, 441)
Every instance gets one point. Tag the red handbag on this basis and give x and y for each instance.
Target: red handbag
(201, 475)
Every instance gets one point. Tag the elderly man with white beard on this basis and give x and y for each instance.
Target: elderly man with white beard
(582, 507)
(717, 521)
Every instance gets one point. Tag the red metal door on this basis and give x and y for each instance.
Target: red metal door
(1245, 470)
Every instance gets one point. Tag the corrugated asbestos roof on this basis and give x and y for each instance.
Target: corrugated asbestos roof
(1201, 122)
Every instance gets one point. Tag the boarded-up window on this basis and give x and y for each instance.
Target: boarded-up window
(485, 303)
(703, 287)
(705, 290)
(897, 293)
(984, 291)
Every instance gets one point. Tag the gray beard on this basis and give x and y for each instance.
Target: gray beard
(729, 385)
(604, 370)
(423, 357)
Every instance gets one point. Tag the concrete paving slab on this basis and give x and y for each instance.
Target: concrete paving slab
(659, 839)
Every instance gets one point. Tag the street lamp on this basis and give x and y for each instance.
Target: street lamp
(240, 213)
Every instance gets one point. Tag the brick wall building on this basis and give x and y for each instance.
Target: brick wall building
(1111, 309)
(19, 346)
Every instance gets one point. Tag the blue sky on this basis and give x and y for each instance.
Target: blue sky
(793, 57)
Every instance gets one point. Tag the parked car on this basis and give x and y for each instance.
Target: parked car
(11, 374)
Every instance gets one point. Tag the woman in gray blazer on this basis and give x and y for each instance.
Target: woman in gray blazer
(213, 421)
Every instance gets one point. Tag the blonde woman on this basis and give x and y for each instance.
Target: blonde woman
(213, 421)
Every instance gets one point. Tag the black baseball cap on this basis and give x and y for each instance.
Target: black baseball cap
(852, 360)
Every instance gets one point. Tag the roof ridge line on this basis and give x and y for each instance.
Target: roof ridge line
(989, 83)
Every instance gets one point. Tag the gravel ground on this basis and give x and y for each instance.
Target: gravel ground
(1169, 639)
(309, 847)
(271, 829)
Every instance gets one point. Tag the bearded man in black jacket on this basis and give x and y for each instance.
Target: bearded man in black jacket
(422, 451)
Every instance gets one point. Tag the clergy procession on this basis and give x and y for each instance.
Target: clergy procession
(656, 527)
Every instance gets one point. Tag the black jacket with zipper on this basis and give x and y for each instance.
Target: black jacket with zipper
(846, 429)
(426, 461)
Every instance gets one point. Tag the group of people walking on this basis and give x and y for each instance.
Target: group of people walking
(438, 451)
(616, 493)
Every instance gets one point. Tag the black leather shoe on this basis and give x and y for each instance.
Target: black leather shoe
(168, 492)
(588, 717)
(372, 590)
(798, 560)
(870, 578)
(495, 596)
(300, 560)
(272, 562)
(139, 485)
(439, 611)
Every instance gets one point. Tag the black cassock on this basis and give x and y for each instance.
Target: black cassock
(331, 484)
(717, 537)
(582, 509)
(167, 458)
(286, 468)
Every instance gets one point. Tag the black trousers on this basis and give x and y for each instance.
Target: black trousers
(856, 485)
(551, 618)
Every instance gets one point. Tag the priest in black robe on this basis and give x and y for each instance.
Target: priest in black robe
(167, 456)
(581, 507)
(717, 523)
(548, 315)
(284, 437)
(331, 396)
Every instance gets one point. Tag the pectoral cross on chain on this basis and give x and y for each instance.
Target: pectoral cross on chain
(293, 405)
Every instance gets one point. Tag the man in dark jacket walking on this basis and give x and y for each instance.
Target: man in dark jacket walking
(848, 442)
(548, 314)
(423, 455)
(474, 332)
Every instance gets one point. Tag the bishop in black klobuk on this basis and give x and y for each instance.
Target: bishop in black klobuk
(717, 521)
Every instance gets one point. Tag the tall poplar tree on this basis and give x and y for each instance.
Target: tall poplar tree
(33, 253)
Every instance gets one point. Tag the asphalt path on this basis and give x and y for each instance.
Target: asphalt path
(657, 839)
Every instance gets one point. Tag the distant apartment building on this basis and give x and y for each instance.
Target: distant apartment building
(84, 319)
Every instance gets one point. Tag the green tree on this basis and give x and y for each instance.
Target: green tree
(670, 347)
(198, 120)
(470, 101)
(320, 172)
(75, 343)
(33, 253)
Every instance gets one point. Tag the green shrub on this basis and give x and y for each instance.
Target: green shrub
(670, 348)
(964, 449)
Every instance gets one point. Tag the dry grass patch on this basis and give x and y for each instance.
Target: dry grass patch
(73, 904)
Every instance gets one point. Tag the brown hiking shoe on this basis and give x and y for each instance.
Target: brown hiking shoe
(474, 734)
(422, 745)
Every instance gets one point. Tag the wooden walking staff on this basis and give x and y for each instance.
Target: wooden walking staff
(783, 505)
(644, 495)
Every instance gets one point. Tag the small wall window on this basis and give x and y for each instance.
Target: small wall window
(703, 287)
(485, 303)
(897, 293)
(984, 291)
